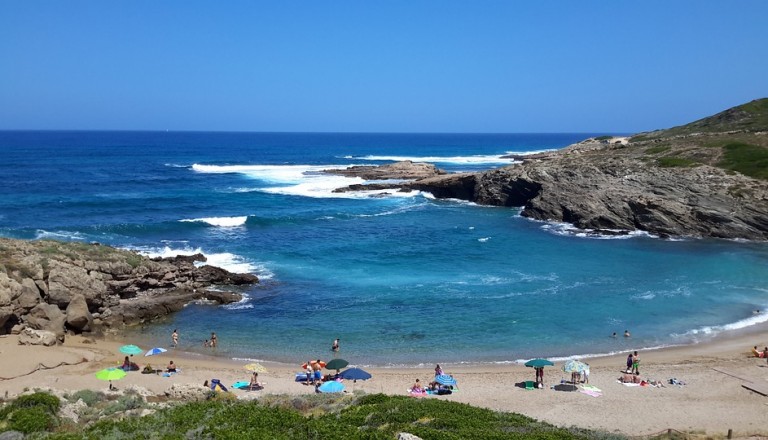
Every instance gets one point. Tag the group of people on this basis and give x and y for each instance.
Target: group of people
(434, 387)
(758, 353)
(633, 363)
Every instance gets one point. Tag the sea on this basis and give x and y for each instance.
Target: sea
(402, 279)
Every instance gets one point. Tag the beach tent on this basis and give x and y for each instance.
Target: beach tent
(216, 385)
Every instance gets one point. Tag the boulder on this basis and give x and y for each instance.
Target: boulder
(66, 278)
(5, 290)
(78, 316)
(47, 317)
(29, 336)
(28, 295)
(188, 392)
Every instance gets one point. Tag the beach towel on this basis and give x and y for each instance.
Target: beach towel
(240, 384)
(417, 393)
(591, 390)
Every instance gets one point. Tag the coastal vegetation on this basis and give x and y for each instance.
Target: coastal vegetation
(734, 140)
(324, 416)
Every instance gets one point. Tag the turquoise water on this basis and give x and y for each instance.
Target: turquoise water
(400, 279)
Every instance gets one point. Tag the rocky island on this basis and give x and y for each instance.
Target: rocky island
(48, 288)
(708, 178)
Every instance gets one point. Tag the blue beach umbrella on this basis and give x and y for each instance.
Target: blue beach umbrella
(355, 374)
(445, 379)
(154, 351)
(331, 387)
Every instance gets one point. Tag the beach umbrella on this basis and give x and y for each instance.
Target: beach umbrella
(154, 351)
(337, 364)
(331, 387)
(538, 363)
(445, 379)
(255, 367)
(355, 374)
(574, 366)
(131, 349)
(110, 374)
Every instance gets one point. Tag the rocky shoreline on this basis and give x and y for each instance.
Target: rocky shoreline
(680, 182)
(50, 288)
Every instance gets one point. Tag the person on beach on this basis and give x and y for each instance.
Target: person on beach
(626, 333)
(318, 371)
(629, 363)
(335, 345)
(214, 341)
(635, 363)
(310, 373)
(416, 387)
(255, 384)
(175, 337)
(539, 375)
(171, 367)
(438, 371)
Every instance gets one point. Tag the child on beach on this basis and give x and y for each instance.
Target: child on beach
(635, 363)
(629, 363)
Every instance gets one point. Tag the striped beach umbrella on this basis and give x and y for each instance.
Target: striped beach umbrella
(445, 379)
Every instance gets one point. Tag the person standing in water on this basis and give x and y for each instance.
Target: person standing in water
(214, 342)
(335, 346)
(175, 337)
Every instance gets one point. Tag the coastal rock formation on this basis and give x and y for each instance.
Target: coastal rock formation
(406, 170)
(29, 336)
(706, 179)
(54, 286)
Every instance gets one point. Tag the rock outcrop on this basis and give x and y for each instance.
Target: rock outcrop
(609, 194)
(54, 286)
(405, 170)
(705, 179)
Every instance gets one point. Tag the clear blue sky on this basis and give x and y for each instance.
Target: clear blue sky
(384, 66)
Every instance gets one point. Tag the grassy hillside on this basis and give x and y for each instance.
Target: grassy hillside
(735, 139)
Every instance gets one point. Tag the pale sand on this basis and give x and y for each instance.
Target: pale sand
(711, 402)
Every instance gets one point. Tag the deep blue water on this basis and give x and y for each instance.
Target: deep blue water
(401, 279)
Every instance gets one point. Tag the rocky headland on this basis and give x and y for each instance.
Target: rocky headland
(705, 179)
(48, 288)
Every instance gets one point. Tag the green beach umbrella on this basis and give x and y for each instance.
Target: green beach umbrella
(110, 374)
(336, 364)
(131, 349)
(538, 363)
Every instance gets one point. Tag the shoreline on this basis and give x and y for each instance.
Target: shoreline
(707, 341)
(710, 401)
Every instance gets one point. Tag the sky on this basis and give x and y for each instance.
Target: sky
(385, 66)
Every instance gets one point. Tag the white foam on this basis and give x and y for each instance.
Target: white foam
(755, 319)
(58, 235)
(479, 159)
(225, 260)
(224, 222)
(567, 229)
(484, 239)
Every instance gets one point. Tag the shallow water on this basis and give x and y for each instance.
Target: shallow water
(401, 279)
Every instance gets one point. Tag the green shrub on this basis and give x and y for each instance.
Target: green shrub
(750, 160)
(47, 401)
(89, 397)
(658, 149)
(31, 419)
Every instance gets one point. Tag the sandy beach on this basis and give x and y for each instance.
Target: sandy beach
(711, 401)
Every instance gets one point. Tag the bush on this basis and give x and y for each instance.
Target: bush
(47, 401)
(750, 160)
(89, 397)
(31, 419)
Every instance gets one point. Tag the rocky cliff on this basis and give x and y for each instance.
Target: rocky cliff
(56, 286)
(705, 179)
